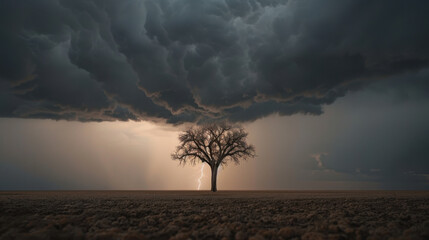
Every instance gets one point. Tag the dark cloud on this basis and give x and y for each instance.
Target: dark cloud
(188, 61)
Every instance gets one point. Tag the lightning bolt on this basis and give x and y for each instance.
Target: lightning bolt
(201, 176)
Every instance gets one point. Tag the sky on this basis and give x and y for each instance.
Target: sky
(334, 94)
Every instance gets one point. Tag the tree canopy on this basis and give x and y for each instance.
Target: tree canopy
(214, 144)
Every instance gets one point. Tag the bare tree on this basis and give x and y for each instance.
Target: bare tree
(214, 144)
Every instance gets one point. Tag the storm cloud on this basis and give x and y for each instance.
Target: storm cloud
(189, 60)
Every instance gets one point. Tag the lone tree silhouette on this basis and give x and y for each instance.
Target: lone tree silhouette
(214, 144)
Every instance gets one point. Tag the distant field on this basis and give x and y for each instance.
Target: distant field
(221, 215)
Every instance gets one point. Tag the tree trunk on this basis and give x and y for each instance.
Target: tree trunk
(214, 176)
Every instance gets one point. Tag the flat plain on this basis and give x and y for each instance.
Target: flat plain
(221, 215)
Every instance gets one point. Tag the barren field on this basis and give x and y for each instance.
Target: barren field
(221, 215)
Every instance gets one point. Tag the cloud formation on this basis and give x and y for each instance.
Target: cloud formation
(189, 61)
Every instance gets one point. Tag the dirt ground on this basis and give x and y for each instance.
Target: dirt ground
(222, 215)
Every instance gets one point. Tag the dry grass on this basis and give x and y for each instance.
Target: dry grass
(221, 215)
